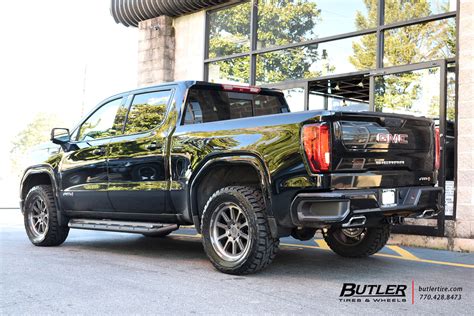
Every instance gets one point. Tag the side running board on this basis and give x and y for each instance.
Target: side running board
(122, 226)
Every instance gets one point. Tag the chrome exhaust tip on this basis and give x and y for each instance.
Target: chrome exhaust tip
(427, 214)
(355, 221)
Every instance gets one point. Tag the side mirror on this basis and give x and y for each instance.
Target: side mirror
(60, 136)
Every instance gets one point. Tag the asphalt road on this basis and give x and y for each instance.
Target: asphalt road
(112, 273)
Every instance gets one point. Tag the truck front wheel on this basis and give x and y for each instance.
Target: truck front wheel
(41, 219)
(235, 230)
(357, 242)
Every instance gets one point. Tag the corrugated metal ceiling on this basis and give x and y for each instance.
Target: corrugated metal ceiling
(130, 12)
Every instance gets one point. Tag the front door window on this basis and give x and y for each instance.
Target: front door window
(107, 121)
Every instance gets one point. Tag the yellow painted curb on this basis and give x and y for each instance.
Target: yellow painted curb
(402, 252)
(322, 243)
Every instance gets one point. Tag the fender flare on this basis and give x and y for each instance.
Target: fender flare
(239, 158)
(48, 170)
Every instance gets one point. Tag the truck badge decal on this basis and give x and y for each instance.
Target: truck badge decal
(391, 138)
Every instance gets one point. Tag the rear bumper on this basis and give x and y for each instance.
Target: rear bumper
(338, 207)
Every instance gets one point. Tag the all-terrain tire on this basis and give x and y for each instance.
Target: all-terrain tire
(374, 240)
(53, 234)
(262, 247)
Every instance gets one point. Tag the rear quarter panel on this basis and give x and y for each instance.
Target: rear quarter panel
(273, 139)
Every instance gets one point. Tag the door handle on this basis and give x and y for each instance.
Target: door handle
(99, 151)
(153, 146)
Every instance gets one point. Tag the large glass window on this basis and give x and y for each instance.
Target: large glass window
(403, 10)
(342, 56)
(229, 30)
(299, 24)
(235, 70)
(412, 92)
(289, 21)
(106, 121)
(147, 111)
(420, 42)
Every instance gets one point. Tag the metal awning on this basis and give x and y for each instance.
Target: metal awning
(130, 12)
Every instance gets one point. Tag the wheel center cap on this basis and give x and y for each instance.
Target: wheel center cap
(234, 231)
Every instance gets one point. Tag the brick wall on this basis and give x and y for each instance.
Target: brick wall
(156, 51)
(464, 226)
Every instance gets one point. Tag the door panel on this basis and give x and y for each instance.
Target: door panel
(136, 172)
(84, 178)
(136, 161)
(83, 169)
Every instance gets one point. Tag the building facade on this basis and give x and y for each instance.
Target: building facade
(402, 56)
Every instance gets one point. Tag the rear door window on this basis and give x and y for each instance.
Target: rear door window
(147, 111)
(207, 105)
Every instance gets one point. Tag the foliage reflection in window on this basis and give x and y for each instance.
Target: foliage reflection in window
(283, 22)
(420, 42)
(107, 121)
(316, 60)
(235, 70)
(229, 31)
(396, 10)
(413, 92)
(147, 111)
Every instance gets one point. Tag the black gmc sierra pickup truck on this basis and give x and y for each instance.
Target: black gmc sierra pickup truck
(233, 162)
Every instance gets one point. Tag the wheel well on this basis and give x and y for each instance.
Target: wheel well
(33, 180)
(220, 176)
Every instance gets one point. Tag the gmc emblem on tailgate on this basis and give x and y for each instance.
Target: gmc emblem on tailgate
(392, 138)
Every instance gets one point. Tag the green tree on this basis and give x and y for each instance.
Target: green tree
(35, 132)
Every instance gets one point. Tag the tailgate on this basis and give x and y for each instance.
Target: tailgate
(382, 142)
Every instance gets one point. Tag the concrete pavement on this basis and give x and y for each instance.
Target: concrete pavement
(112, 273)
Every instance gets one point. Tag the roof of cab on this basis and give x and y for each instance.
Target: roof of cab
(187, 84)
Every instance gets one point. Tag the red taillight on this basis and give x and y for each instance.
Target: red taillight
(437, 148)
(249, 89)
(317, 146)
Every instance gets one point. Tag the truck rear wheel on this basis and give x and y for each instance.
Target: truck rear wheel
(235, 230)
(41, 218)
(357, 242)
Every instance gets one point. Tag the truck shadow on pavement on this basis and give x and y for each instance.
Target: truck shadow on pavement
(290, 262)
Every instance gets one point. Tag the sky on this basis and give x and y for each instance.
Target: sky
(50, 51)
